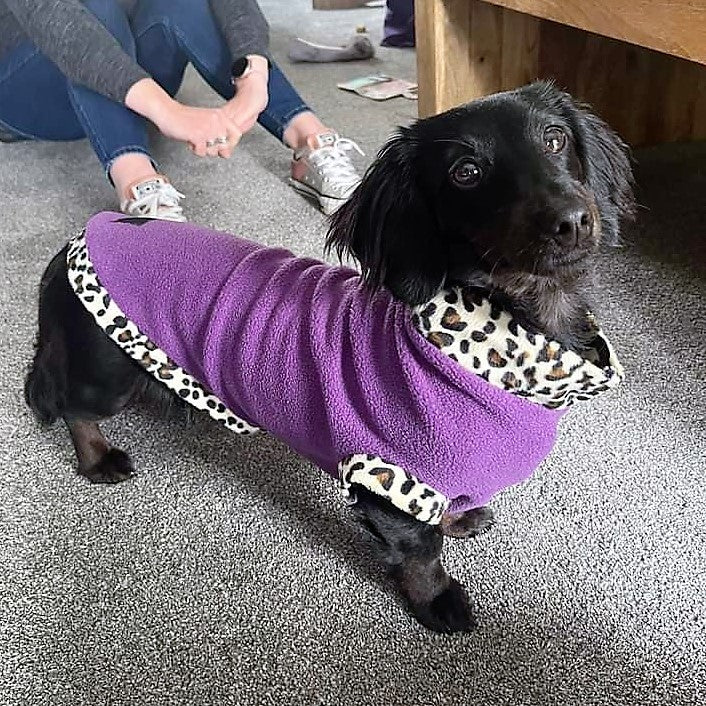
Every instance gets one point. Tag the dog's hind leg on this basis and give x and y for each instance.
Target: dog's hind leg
(411, 551)
(97, 459)
(104, 383)
(80, 375)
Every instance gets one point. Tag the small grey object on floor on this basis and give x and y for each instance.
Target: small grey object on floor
(228, 573)
(357, 49)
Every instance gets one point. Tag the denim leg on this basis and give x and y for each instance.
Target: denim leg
(25, 73)
(284, 104)
(71, 111)
(171, 33)
(112, 128)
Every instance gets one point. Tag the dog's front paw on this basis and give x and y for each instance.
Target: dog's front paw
(468, 524)
(114, 467)
(449, 612)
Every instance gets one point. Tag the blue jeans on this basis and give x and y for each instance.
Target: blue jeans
(163, 36)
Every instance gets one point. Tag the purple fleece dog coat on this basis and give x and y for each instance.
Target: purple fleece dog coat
(260, 338)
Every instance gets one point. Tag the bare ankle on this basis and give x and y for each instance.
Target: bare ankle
(301, 127)
(128, 169)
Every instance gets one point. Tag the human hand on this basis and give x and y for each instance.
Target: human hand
(247, 105)
(251, 95)
(208, 131)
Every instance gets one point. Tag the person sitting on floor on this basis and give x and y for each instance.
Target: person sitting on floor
(99, 69)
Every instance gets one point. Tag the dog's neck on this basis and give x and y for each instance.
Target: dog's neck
(555, 306)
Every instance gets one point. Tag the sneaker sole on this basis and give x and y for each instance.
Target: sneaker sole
(328, 204)
(179, 219)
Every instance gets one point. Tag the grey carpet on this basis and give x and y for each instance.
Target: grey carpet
(229, 573)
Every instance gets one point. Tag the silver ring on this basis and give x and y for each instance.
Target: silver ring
(220, 140)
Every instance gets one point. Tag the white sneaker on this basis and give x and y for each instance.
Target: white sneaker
(154, 197)
(323, 170)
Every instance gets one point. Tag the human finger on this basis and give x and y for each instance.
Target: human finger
(199, 148)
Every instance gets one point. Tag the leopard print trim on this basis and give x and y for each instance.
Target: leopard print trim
(490, 343)
(402, 489)
(137, 345)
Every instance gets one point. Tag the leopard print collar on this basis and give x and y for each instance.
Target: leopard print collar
(489, 342)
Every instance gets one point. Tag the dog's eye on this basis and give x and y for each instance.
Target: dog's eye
(554, 139)
(466, 173)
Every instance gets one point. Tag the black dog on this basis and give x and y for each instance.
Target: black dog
(511, 195)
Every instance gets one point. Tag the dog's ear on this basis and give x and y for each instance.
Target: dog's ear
(607, 169)
(389, 225)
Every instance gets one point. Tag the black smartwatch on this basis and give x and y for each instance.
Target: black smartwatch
(240, 68)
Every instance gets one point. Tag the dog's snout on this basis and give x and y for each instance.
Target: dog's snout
(571, 226)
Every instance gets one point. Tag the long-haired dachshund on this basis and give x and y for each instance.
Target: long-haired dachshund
(424, 384)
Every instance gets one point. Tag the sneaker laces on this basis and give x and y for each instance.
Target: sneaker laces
(155, 198)
(334, 161)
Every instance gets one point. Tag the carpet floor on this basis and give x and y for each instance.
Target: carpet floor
(228, 571)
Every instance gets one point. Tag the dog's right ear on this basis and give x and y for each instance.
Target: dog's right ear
(389, 225)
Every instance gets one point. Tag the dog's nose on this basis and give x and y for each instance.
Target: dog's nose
(571, 226)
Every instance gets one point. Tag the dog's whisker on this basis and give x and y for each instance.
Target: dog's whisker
(463, 143)
(492, 271)
(486, 253)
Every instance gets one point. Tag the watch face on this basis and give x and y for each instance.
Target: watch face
(239, 66)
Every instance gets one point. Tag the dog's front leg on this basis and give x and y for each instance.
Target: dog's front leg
(470, 523)
(411, 551)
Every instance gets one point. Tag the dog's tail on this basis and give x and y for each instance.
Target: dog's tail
(46, 384)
